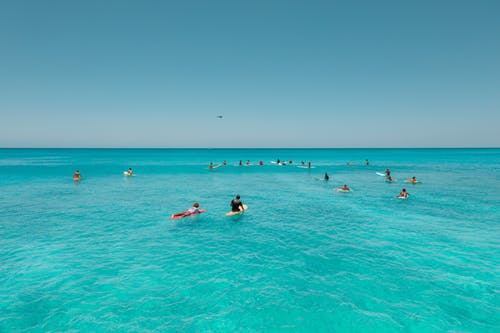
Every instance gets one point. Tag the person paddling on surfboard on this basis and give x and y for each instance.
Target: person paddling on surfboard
(403, 194)
(387, 172)
(412, 180)
(195, 209)
(130, 172)
(344, 188)
(236, 204)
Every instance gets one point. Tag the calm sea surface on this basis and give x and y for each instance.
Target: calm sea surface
(102, 255)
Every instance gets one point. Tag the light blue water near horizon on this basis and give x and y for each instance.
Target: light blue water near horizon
(102, 254)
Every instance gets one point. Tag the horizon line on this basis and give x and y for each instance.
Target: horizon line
(269, 148)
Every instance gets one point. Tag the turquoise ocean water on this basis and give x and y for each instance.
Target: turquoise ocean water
(102, 255)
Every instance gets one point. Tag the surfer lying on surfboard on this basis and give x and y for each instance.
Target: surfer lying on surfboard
(344, 188)
(194, 210)
(412, 180)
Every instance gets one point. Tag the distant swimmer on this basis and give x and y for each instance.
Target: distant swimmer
(413, 180)
(290, 162)
(302, 162)
(309, 165)
(224, 163)
(236, 204)
(194, 210)
(248, 162)
(344, 188)
(367, 162)
(326, 177)
(261, 163)
(241, 162)
(212, 166)
(403, 194)
(77, 176)
(130, 172)
(278, 161)
(387, 172)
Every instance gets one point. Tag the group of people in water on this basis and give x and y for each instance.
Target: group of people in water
(402, 195)
(238, 207)
(211, 165)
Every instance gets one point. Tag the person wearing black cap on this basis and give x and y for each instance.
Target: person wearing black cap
(236, 204)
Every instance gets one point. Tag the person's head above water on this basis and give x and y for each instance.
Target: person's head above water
(237, 196)
(196, 205)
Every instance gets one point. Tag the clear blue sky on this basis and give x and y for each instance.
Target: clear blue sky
(282, 73)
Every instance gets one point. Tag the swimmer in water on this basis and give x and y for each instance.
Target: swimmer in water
(326, 177)
(77, 176)
(130, 172)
